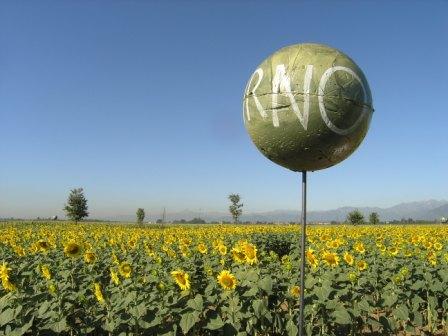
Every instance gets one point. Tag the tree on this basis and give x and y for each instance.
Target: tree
(374, 218)
(235, 207)
(197, 220)
(76, 207)
(355, 217)
(140, 215)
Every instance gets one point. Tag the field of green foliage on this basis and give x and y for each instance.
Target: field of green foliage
(79, 279)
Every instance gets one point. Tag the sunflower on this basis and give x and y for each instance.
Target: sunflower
(216, 243)
(238, 255)
(89, 257)
(285, 259)
(432, 258)
(397, 279)
(114, 276)
(393, 250)
(45, 272)
(52, 288)
(348, 258)
(182, 279)
(132, 243)
(362, 265)
(311, 258)
(184, 250)
(4, 276)
(359, 247)
(331, 259)
(115, 259)
(222, 249)
(414, 240)
(202, 248)
(43, 245)
(404, 271)
(98, 294)
(227, 280)
(334, 244)
(437, 246)
(20, 251)
(352, 277)
(125, 270)
(72, 249)
(295, 291)
(250, 252)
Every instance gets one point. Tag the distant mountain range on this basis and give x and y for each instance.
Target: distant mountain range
(424, 210)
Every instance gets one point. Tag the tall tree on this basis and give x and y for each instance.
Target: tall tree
(355, 217)
(76, 207)
(235, 207)
(140, 215)
(374, 218)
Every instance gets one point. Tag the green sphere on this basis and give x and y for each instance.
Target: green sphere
(307, 107)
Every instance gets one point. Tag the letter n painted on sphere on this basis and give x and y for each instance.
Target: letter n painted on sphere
(281, 84)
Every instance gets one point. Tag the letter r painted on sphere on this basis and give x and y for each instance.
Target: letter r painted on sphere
(260, 109)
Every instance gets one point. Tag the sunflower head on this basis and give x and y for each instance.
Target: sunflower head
(125, 270)
(52, 288)
(359, 247)
(4, 271)
(362, 265)
(89, 257)
(437, 246)
(43, 245)
(72, 249)
(45, 272)
(295, 291)
(4, 276)
(331, 259)
(227, 280)
(250, 251)
(98, 293)
(397, 279)
(238, 255)
(222, 249)
(311, 258)
(404, 271)
(393, 250)
(182, 279)
(348, 258)
(114, 276)
(352, 276)
(202, 248)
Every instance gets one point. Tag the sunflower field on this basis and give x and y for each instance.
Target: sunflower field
(108, 279)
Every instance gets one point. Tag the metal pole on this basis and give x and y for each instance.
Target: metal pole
(302, 266)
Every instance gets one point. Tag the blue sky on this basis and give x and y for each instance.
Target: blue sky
(140, 103)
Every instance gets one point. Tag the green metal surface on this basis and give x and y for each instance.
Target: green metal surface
(307, 107)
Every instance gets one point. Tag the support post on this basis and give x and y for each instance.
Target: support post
(303, 257)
